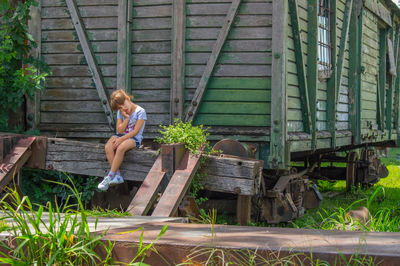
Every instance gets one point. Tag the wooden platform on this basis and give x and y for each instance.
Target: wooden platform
(182, 240)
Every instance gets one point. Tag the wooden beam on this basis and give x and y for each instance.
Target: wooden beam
(14, 161)
(178, 59)
(377, 8)
(198, 95)
(381, 79)
(91, 60)
(394, 34)
(124, 45)
(279, 157)
(178, 186)
(147, 193)
(35, 29)
(227, 175)
(312, 65)
(301, 73)
(397, 84)
(342, 47)
(332, 81)
(355, 71)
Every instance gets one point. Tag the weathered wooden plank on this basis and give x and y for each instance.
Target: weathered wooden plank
(237, 95)
(151, 71)
(147, 193)
(239, 83)
(87, 11)
(54, 3)
(223, 8)
(343, 44)
(91, 95)
(234, 108)
(227, 185)
(68, 35)
(33, 104)
(178, 186)
(94, 118)
(312, 65)
(90, 23)
(332, 81)
(235, 33)
(75, 47)
(95, 106)
(224, 70)
(152, 11)
(124, 45)
(178, 60)
(239, 21)
(239, 58)
(279, 158)
(264, 45)
(85, 71)
(301, 73)
(232, 120)
(382, 79)
(14, 161)
(76, 82)
(77, 59)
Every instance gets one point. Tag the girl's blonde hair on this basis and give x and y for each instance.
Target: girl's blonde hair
(118, 98)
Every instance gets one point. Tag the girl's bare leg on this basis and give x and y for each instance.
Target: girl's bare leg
(119, 154)
(110, 150)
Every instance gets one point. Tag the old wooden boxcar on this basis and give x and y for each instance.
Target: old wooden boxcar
(299, 79)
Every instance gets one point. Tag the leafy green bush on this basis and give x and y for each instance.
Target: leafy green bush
(192, 136)
(20, 73)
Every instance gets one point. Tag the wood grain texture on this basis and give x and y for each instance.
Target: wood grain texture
(92, 62)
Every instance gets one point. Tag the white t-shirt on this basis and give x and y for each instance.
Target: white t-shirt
(139, 113)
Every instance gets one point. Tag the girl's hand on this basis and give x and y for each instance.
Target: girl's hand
(125, 115)
(117, 142)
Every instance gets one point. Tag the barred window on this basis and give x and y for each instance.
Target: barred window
(324, 39)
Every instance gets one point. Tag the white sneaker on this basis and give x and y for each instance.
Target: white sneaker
(105, 183)
(118, 179)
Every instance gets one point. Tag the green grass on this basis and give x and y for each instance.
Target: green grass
(383, 205)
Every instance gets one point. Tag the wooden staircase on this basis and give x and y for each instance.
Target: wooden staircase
(178, 167)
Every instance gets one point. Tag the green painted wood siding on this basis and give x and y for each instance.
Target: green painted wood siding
(238, 93)
(369, 80)
(295, 123)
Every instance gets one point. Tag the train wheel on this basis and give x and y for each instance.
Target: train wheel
(351, 169)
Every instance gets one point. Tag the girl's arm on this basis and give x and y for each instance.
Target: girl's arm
(121, 125)
(138, 126)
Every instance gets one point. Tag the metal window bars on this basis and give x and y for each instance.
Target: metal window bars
(324, 37)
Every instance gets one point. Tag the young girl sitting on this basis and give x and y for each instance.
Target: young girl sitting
(130, 125)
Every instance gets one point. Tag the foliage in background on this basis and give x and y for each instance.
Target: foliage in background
(20, 73)
(193, 137)
(63, 239)
(40, 191)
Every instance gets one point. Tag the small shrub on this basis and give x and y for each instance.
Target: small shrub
(194, 137)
